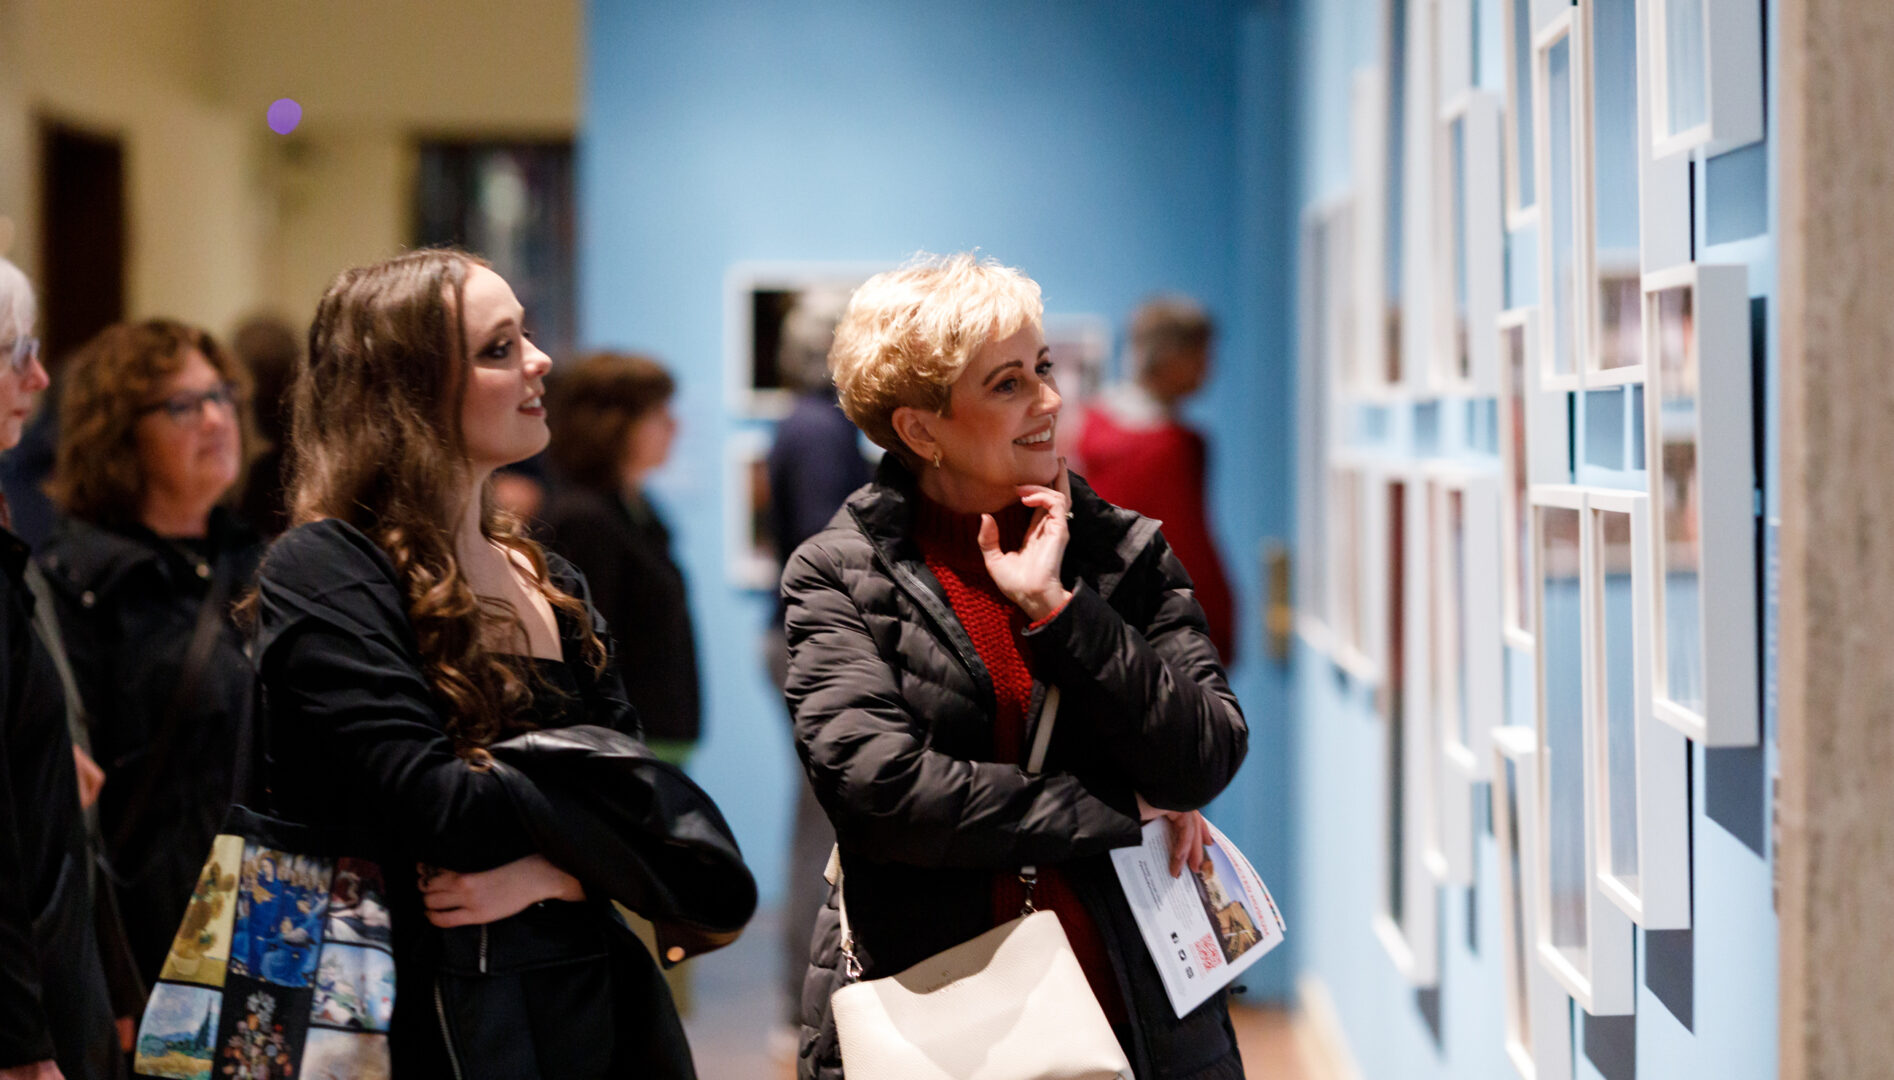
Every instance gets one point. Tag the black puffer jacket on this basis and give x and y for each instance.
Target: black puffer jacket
(894, 722)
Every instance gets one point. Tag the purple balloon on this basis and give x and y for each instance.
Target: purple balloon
(284, 115)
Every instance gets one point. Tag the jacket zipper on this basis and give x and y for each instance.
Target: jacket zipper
(447, 1037)
(483, 948)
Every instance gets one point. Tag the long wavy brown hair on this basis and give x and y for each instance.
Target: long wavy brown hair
(375, 440)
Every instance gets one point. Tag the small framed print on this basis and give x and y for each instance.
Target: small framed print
(1538, 1019)
(1700, 454)
(1469, 247)
(1373, 369)
(1582, 940)
(1321, 335)
(749, 541)
(1706, 76)
(1642, 825)
(758, 297)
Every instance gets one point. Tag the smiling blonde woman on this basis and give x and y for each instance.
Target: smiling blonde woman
(924, 626)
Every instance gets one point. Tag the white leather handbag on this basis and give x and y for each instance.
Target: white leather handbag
(1010, 1004)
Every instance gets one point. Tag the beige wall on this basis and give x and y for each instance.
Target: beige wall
(225, 217)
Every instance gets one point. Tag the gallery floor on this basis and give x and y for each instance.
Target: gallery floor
(733, 994)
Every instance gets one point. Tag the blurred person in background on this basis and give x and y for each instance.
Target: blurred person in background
(814, 464)
(267, 348)
(1135, 450)
(144, 568)
(611, 429)
(925, 624)
(56, 1016)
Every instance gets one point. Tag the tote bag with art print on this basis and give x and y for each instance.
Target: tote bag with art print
(282, 966)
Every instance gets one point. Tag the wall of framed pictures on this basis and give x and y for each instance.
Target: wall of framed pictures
(1558, 399)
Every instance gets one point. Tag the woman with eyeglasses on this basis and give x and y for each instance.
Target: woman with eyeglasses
(144, 566)
(55, 1012)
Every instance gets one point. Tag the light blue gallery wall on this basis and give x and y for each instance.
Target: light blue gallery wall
(1108, 149)
(1706, 999)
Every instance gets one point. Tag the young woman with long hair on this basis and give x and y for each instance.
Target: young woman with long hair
(405, 625)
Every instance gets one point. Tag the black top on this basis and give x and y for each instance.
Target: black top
(624, 550)
(53, 1000)
(128, 603)
(358, 743)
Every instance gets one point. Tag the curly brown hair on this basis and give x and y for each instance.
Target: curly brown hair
(595, 403)
(375, 440)
(97, 474)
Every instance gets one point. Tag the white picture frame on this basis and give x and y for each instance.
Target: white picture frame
(1700, 455)
(1707, 75)
(1321, 340)
(1582, 939)
(1467, 680)
(1349, 592)
(1407, 917)
(1520, 113)
(1664, 210)
(1610, 193)
(1642, 806)
(1559, 90)
(1469, 245)
(753, 385)
(1368, 375)
(749, 555)
(1538, 1018)
(1416, 303)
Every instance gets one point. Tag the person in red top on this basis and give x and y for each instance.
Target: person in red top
(1137, 452)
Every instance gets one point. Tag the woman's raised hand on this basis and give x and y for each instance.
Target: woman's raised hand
(455, 899)
(1030, 576)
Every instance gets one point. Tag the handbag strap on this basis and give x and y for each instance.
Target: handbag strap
(1028, 875)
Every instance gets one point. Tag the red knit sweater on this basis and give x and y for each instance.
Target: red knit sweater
(949, 544)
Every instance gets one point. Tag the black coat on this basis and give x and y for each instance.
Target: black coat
(624, 551)
(894, 722)
(128, 603)
(358, 747)
(53, 1000)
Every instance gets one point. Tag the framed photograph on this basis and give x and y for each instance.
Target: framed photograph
(1614, 335)
(1470, 244)
(749, 543)
(1407, 922)
(1453, 31)
(1707, 75)
(1583, 941)
(1538, 1019)
(1468, 681)
(1558, 92)
(758, 296)
(1700, 453)
(1521, 188)
(1642, 824)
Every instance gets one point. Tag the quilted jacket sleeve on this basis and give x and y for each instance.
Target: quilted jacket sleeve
(1155, 690)
(890, 795)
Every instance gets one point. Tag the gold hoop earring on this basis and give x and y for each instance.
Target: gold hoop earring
(937, 459)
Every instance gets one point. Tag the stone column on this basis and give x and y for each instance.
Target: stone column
(1836, 630)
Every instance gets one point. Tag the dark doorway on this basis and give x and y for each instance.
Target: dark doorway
(82, 230)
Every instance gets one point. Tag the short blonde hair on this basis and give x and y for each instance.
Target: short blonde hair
(909, 333)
